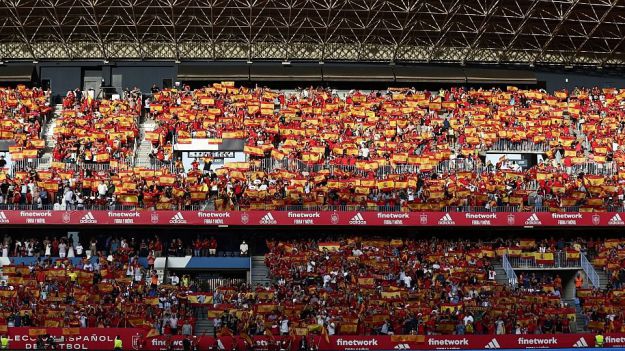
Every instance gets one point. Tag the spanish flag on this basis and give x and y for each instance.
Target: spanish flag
(70, 331)
(102, 157)
(253, 150)
(330, 246)
(167, 179)
(37, 331)
(366, 281)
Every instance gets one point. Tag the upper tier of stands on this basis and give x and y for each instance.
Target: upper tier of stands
(399, 149)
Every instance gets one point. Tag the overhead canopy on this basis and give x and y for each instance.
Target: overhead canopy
(213, 72)
(499, 76)
(429, 74)
(279, 72)
(358, 73)
(17, 73)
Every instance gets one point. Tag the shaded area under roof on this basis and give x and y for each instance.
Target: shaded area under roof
(429, 74)
(17, 73)
(213, 72)
(280, 72)
(357, 73)
(499, 76)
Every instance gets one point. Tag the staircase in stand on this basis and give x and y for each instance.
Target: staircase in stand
(204, 326)
(45, 161)
(501, 277)
(260, 272)
(142, 156)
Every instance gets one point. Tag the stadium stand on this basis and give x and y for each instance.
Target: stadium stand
(400, 150)
(349, 286)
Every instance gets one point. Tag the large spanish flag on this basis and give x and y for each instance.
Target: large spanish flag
(330, 246)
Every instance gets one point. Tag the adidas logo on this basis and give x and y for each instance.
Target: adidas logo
(402, 347)
(3, 218)
(178, 219)
(88, 218)
(357, 219)
(581, 342)
(493, 344)
(533, 220)
(268, 219)
(616, 220)
(446, 220)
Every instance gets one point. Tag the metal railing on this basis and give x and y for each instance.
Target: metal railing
(446, 166)
(510, 273)
(522, 146)
(590, 271)
(560, 260)
(207, 206)
(608, 168)
(524, 208)
(155, 165)
(92, 207)
(98, 167)
(30, 163)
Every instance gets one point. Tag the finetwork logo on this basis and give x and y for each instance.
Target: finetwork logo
(533, 220)
(357, 219)
(178, 218)
(581, 343)
(88, 218)
(616, 220)
(3, 217)
(493, 344)
(268, 219)
(446, 220)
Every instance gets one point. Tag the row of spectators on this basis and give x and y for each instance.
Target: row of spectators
(72, 247)
(243, 186)
(149, 248)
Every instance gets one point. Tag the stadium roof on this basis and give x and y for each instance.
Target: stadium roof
(541, 32)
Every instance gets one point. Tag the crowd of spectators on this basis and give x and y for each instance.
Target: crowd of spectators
(402, 149)
(338, 285)
(23, 113)
(97, 130)
(381, 286)
(102, 291)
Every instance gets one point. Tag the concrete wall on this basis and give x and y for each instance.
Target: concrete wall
(69, 75)
(556, 80)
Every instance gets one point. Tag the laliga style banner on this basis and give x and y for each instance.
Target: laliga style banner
(312, 218)
(134, 339)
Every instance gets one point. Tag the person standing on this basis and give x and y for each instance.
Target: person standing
(599, 339)
(117, 344)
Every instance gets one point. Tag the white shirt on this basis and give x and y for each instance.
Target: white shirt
(79, 249)
(175, 280)
(243, 248)
(102, 189)
(284, 326)
(408, 281)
